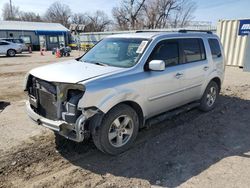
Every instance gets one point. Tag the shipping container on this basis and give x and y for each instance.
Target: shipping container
(233, 35)
(247, 55)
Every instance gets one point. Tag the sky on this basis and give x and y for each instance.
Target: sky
(207, 10)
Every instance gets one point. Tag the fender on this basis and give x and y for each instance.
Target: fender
(108, 98)
(211, 76)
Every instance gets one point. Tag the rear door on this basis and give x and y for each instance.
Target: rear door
(217, 55)
(196, 67)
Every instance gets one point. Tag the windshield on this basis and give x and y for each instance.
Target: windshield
(118, 52)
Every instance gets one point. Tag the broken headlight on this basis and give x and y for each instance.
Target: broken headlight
(70, 95)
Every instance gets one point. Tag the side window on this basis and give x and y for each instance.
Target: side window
(193, 50)
(26, 39)
(3, 43)
(215, 48)
(168, 51)
(53, 39)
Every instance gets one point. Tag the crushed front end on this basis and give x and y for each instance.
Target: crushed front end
(55, 106)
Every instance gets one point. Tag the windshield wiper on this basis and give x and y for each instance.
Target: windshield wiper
(94, 62)
(100, 63)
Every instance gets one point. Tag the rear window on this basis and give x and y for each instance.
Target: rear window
(193, 50)
(215, 48)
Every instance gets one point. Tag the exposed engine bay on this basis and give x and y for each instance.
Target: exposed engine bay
(55, 101)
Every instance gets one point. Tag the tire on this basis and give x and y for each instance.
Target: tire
(11, 53)
(210, 96)
(117, 131)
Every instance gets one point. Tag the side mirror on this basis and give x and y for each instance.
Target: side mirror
(157, 65)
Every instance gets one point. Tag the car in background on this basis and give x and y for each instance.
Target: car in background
(17, 41)
(9, 48)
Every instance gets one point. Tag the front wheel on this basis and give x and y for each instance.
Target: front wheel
(117, 131)
(210, 96)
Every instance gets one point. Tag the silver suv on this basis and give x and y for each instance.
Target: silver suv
(123, 83)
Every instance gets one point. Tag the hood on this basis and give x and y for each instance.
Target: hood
(71, 71)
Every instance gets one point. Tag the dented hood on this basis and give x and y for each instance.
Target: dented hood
(71, 71)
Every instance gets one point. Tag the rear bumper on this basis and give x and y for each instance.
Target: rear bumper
(73, 132)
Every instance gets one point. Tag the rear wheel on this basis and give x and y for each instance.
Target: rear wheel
(210, 96)
(11, 53)
(117, 131)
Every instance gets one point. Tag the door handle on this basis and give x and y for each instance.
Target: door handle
(178, 75)
(205, 68)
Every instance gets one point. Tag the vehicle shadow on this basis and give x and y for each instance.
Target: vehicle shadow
(176, 150)
(3, 105)
(17, 55)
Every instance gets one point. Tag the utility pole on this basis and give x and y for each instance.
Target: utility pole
(11, 10)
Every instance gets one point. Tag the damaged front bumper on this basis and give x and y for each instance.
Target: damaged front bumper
(73, 132)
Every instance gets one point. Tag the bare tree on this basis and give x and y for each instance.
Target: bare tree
(127, 14)
(157, 12)
(58, 13)
(151, 14)
(184, 14)
(30, 17)
(13, 13)
(79, 18)
(98, 21)
(10, 14)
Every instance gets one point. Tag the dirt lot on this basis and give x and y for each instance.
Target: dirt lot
(194, 149)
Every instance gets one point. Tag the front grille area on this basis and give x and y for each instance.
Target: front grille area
(44, 95)
(47, 106)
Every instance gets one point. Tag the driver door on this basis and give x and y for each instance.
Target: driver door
(164, 88)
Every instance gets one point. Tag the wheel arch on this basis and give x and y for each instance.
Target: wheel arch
(96, 120)
(9, 50)
(217, 80)
(137, 109)
(135, 106)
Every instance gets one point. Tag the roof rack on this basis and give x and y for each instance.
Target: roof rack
(189, 30)
(148, 31)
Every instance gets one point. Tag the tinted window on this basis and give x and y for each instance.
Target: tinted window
(168, 51)
(215, 48)
(4, 43)
(193, 50)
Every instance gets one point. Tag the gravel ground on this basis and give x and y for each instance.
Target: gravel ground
(193, 149)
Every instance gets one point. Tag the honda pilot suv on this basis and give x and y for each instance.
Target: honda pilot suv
(123, 83)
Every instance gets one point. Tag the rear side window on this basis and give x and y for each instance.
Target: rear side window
(193, 50)
(168, 51)
(215, 48)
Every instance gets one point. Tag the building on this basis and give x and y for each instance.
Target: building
(37, 34)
